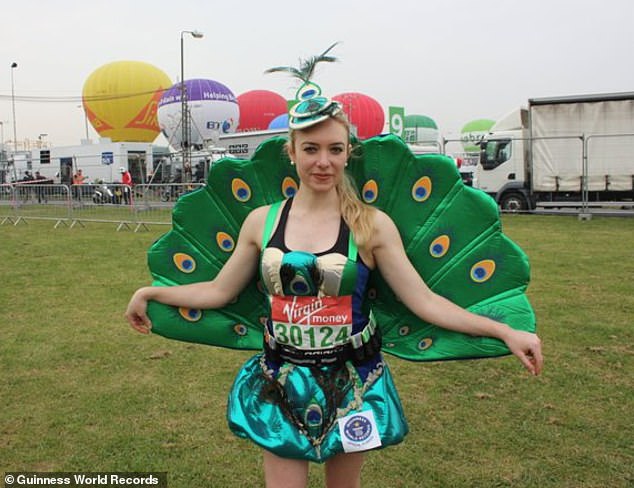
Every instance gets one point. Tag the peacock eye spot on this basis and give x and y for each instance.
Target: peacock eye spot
(439, 246)
(241, 190)
(299, 286)
(482, 270)
(190, 314)
(370, 191)
(421, 189)
(240, 329)
(225, 241)
(425, 343)
(314, 415)
(289, 187)
(184, 262)
(404, 330)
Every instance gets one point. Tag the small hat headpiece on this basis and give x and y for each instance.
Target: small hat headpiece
(311, 107)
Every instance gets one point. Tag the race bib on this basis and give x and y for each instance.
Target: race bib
(311, 322)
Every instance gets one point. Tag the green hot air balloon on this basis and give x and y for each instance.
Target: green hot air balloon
(473, 132)
(420, 129)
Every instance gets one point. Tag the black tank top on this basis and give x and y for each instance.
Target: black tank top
(277, 239)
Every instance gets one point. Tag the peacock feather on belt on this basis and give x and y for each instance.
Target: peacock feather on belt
(452, 235)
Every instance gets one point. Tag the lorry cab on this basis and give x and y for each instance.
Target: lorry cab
(501, 171)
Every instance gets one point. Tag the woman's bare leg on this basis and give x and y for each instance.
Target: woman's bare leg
(281, 472)
(344, 470)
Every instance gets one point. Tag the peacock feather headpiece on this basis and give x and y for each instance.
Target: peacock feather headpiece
(311, 107)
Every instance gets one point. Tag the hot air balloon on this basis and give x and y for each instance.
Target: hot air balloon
(279, 122)
(472, 132)
(364, 112)
(258, 108)
(213, 111)
(420, 129)
(121, 98)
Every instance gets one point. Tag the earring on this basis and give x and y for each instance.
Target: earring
(292, 163)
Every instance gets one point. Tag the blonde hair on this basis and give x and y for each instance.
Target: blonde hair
(358, 215)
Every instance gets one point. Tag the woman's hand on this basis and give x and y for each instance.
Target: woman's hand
(136, 313)
(527, 347)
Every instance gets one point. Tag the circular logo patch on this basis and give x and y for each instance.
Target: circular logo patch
(358, 428)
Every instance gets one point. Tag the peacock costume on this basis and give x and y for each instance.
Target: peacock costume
(321, 386)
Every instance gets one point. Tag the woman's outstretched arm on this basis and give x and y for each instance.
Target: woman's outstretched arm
(237, 272)
(389, 255)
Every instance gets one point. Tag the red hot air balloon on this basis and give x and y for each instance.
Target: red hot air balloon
(258, 108)
(364, 112)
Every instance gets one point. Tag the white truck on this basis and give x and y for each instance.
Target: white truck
(558, 152)
(98, 162)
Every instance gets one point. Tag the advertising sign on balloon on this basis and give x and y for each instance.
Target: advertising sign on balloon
(212, 106)
(121, 98)
(473, 132)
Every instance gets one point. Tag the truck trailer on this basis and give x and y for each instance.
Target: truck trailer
(560, 151)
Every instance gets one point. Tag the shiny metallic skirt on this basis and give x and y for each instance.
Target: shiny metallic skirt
(294, 411)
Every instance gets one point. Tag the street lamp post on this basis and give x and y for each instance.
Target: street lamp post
(185, 126)
(15, 132)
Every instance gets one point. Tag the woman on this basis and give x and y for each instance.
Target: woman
(321, 391)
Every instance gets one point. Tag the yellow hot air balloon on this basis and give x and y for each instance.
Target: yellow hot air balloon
(121, 100)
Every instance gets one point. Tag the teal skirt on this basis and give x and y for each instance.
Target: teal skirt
(295, 411)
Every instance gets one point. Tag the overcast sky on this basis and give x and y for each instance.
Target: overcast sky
(452, 60)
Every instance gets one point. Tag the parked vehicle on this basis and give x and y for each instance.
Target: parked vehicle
(574, 149)
(99, 162)
(174, 189)
(105, 194)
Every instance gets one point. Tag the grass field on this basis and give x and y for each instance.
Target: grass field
(82, 392)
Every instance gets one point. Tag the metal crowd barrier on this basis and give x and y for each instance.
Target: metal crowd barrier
(126, 206)
(153, 203)
(8, 204)
(21, 201)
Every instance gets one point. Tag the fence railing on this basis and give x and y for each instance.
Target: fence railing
(128, 207)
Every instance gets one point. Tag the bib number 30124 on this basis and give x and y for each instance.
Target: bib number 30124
(310, 337)
(312, 322)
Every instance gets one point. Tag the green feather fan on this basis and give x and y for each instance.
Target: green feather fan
(451, 233)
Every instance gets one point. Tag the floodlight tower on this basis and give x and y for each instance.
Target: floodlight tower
(185, 123)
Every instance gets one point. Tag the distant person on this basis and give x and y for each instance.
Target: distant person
(26, 190)
(39, 190)
(126, 180)
(78, 179)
